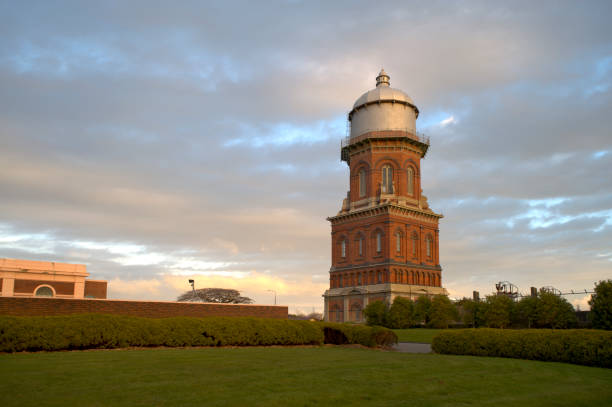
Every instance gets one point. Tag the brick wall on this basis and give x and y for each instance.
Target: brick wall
(153, 309)
(95, 289)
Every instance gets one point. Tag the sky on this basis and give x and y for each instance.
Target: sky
(156, 142)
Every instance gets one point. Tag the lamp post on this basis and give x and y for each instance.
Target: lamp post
(272, 291)
(192, 282)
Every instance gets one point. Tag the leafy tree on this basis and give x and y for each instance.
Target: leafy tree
(526, 312)
(554, 311)
(498, 310)
(376, 313)
(470, 312)
(441, 312)
(601, 305)
(401, 313)
(217, 295)
(421, 309)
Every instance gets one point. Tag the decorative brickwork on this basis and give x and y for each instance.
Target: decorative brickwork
(152, 309)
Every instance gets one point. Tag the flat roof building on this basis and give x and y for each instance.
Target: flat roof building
(28, 278)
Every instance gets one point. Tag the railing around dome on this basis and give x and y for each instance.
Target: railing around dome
(415, 135)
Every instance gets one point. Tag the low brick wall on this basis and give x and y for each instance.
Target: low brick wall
(153, 309)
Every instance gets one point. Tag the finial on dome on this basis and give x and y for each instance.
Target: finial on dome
(382, 79)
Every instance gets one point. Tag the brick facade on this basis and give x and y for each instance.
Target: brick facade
(40, 306)
(385, 238)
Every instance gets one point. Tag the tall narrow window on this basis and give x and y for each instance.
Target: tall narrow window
(428, 245)
(362, 183)
(361, 245)
(410, 181)
(359, 279)
(387, 180)
(415, 240)
(378, 242)
(378, 277)
(343, 248)
(398, 242)
(340, 280)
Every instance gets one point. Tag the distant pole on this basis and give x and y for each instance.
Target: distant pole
(192, 282)
(272, 291)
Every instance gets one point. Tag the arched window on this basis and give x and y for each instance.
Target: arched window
(343, 246)
(415, 242)
(362, 183)
(44, 291)
(378, 242)
(410, 181)
(428, 245)
(378, 277)
(398, 241)
(387, 179)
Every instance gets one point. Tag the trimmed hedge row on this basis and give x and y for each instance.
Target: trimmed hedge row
(90, 331)
(578, 346)
(340, 334)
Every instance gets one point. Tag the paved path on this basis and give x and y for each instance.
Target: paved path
(413, 347)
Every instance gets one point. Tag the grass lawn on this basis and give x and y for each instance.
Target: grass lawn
(292, 376)
(422, 335)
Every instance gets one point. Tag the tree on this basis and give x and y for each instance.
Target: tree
(421, 309)
(526, 312)
(601, 305)
(471, 312)
(217, 295)
(401, 314)
(441, 312)
(554, 311)
(376, 313)
(498, 310)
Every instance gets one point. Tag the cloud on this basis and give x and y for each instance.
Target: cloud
(151, 141)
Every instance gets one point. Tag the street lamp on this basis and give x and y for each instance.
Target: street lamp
(192, 282)
(272, 291)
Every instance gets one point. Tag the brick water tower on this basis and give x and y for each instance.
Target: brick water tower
(385, 236)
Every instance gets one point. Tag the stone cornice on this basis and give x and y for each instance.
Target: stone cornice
(386, 208)
(386, 263)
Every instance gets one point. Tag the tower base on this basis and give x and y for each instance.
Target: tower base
(346, 304)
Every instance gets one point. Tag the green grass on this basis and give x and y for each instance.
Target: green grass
(422, 335)
(316, 376)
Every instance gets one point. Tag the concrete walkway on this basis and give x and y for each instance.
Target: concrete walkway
(412, 347)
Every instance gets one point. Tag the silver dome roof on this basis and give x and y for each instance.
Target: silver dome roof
(383, 93)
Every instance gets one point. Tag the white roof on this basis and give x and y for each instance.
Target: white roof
(383, 93)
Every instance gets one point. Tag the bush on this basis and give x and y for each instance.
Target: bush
(340, 334)
(376, 313)
(601, 305)
(497, 311)
(401, 314)
(583, 347)
(422, 306)
(441, 312)
(91, 331)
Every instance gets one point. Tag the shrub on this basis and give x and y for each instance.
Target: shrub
(601, 305)
(91, 331)
(583, 347)
(441, 312)
(421, 309)
(553, 311)
(401, 314)
(498, 311)
(376, 313)
(339, 334)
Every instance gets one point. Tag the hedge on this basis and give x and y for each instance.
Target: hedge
(582, 347)
(90, 331)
